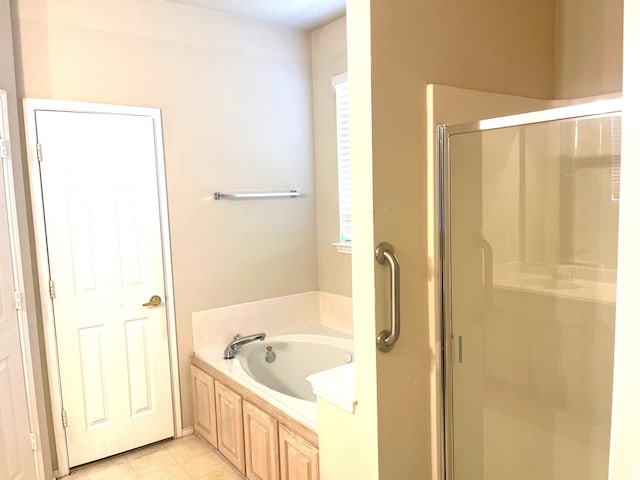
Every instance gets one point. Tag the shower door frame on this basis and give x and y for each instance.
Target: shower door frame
(590, 109)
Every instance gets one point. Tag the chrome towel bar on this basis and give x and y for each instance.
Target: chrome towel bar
(238, 196)
(387, 338)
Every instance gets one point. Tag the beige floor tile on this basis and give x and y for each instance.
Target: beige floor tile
(175, 441)
(206, 464)
(76, 476)
(224, 475)
(175, 472)
(120, 471)
(142, 451)
(187, 449)
(101, 465)
(152, 462)
(161, 461)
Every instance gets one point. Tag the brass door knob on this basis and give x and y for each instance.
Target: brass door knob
(154, 301)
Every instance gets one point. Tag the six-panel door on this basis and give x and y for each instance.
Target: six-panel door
(101, 208)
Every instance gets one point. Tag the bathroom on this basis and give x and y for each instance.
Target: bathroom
(399, 51)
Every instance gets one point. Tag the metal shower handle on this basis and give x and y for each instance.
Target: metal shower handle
(387, 338)
(487, 267)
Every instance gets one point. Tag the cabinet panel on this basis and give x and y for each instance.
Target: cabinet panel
(261, 443)
(204, 408)
(229, 420)
(298, 459)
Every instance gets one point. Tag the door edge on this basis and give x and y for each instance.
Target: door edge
(18, 283)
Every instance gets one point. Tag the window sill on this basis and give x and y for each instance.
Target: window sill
(343, 247)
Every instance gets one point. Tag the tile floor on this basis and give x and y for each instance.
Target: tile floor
(186, 458)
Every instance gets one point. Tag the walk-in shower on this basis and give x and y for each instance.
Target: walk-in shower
(529, 253)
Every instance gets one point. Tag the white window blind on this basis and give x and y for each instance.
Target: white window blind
(615, 157)
(341, 86)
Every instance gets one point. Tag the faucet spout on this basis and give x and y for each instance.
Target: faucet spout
(238, 341)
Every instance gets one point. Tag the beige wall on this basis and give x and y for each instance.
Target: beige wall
(236, 106)
(588, 47)
(329, 58)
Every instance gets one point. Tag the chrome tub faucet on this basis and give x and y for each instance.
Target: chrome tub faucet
(237, 341)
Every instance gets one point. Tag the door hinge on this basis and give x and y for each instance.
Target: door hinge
(34, 442)
(39, 152)
(4, 149)
(456, 349)
(64, 418)
(18, 300)
(52, 289)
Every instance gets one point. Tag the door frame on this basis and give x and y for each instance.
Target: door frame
(18, 285)
(31, 106)
(589, 108)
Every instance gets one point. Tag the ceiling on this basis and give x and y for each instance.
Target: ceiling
(304, 14)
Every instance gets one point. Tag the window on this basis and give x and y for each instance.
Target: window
(341, 85)
(615, 157)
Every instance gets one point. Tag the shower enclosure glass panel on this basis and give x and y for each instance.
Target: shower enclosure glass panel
(530, 250)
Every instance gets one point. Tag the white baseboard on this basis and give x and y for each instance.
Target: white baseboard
(187, 431)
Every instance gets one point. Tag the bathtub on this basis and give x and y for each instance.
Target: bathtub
(283, 382)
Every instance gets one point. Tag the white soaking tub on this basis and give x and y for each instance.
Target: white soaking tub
(283, 382)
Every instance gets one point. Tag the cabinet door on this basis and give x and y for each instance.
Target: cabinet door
(230, 432)
(298, 459)
(260, 443)
(204, 407)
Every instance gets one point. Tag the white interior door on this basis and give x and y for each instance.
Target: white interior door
(16, 455)
(101, 208)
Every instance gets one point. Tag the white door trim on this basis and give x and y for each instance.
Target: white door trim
(31, 106)
(18, 282)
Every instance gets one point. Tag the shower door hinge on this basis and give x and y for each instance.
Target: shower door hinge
(64, 418)
(18, 296)
(52, 289)
(456, 349)
(4, 149)
(39, 152)
(34, 442)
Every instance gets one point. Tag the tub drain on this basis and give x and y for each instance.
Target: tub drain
(270, 355)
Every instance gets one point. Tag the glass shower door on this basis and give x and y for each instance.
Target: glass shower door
(530, 222)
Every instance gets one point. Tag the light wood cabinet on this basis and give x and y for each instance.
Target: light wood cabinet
(260, 444)
(204, 409)
(260, 440)
(298, 459)
(229, 420)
